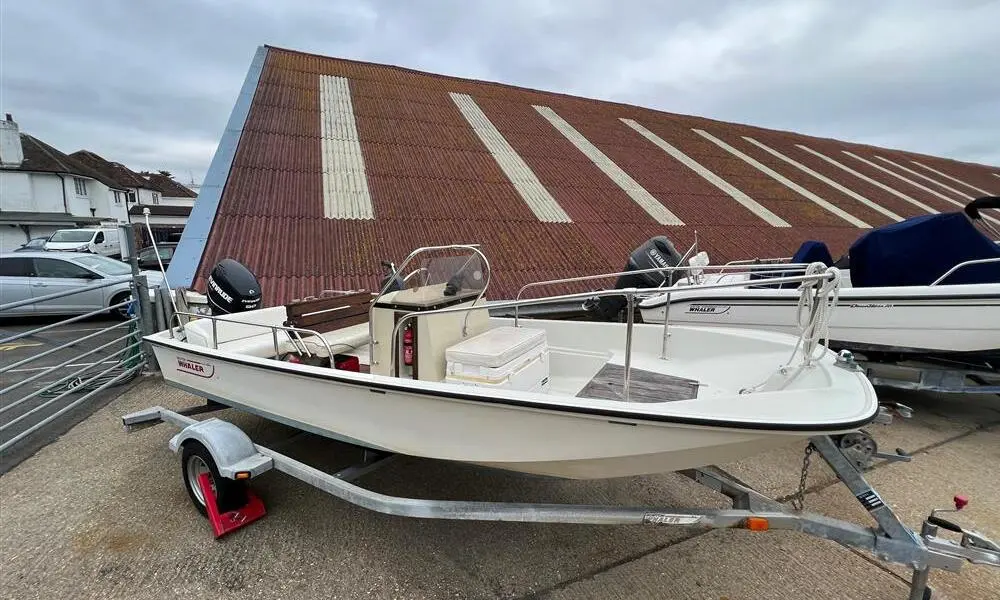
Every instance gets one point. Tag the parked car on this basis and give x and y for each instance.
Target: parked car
(27, 275)
(33, 245)
(147, 256)
(104, 241)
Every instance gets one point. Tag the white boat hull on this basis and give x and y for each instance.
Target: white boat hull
(554, 435)
(931, 320)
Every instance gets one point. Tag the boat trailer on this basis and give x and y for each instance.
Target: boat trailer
(232, 458)
(932, 377)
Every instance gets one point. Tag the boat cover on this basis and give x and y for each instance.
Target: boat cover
(813, 251)
(919, 250)
(809, 252)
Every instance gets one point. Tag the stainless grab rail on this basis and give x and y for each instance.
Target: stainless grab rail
(758, 261)
(629, 293)
(658, 290)
(274, 331)
(960, 265)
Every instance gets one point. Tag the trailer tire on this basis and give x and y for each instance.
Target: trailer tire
(196, 459)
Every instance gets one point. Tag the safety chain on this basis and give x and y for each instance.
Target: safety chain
(798, 499)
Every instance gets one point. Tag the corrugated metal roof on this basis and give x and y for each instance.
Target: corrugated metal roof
(433, 178)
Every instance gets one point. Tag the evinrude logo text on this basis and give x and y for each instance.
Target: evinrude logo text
(186, 365)
(218, 290)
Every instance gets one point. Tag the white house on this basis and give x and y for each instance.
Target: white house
(43, 189)
(138, 190)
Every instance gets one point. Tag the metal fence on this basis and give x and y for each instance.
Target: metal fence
(63, 369)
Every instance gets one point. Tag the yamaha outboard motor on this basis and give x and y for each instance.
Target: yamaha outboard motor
(657, 252)
(232, 288)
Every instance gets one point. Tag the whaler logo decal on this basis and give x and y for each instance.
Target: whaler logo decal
(708, 309)
(186, 365)
(670, 519)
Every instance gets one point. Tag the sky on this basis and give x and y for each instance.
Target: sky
(151, 84)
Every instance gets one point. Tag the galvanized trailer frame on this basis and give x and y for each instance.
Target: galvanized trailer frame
(236, 456)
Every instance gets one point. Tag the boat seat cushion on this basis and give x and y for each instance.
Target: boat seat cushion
(262, 345)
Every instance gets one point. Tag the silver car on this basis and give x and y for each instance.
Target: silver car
(25, 275)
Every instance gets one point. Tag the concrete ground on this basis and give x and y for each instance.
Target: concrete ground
(103, 514)
(37, 371)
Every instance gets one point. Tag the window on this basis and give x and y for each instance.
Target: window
(131, 196)
(118, 197)
(99, 238)
(103, 264)
(15, 267)
(156, 198)
(81, 186)
(53, 267)
(72, 235)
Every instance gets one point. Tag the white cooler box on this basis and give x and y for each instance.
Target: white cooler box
(515, 358)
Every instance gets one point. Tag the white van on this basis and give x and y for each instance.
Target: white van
(104, 241)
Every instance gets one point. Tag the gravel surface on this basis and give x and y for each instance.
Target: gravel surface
(103, 514)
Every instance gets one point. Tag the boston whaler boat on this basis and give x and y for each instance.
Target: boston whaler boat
(927, 289)
(423, 369)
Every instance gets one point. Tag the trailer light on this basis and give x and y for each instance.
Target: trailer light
(242, 475)
(757, 524)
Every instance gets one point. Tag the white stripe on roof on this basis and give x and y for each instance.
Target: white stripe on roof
(527, 184)
(643, 198)
(748, 202)
(903, 179)
(844, 190)
(913, 183)
(955, 179)
(868, 179)
(925, 177)
(788, 183)
(345, 185)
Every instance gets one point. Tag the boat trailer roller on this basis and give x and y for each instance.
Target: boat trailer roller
(233, 457)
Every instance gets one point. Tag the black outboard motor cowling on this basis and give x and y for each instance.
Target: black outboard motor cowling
(232, 288)
(657, 252)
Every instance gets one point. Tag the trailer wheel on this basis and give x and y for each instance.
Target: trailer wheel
(195, 460)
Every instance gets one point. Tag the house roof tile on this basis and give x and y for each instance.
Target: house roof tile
(117, 172)
(43, 158)
(166, 186)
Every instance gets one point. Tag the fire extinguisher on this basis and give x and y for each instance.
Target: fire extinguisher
(408, 345)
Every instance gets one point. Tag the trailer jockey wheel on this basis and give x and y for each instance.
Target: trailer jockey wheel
(195, 460)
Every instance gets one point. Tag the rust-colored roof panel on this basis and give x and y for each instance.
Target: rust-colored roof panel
(433, 181)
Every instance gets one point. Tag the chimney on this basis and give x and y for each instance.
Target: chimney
(11, 153)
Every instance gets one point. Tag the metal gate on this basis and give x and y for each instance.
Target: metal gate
(52, 366)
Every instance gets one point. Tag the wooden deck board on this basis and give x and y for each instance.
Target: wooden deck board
(645, 386)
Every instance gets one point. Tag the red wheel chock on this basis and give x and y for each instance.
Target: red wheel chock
(223, 523)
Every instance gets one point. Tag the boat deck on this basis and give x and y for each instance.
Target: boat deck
(645, 386)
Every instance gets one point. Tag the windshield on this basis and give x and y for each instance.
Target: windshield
(72, 235)
(104, 265)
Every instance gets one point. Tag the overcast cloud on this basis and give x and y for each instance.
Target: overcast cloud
(151, 84)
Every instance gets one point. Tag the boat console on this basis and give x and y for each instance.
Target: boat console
(423, 339)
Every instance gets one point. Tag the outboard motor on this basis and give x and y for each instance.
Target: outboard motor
(232, 288)
(657, 252)
(396, 279)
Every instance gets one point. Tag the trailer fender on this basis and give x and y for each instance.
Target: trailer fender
(232, 450)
